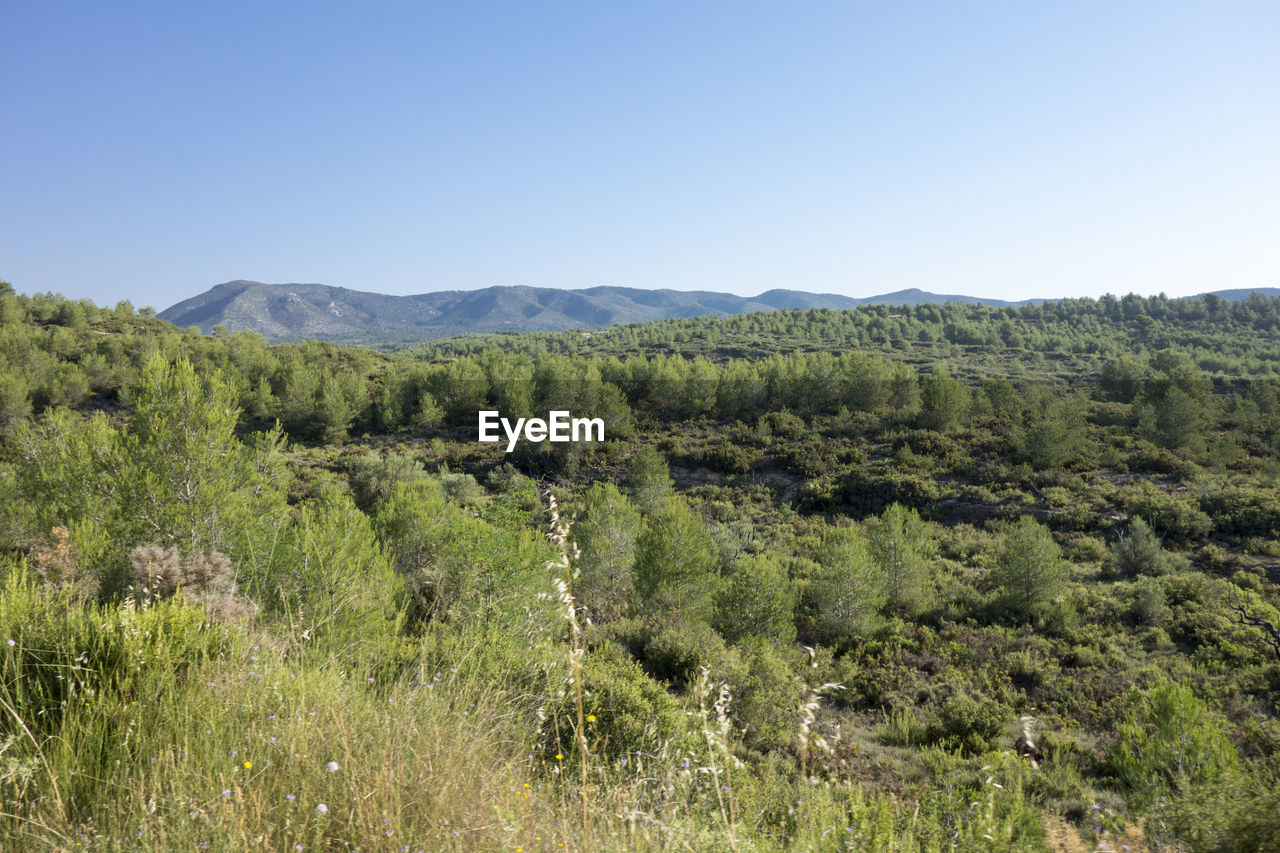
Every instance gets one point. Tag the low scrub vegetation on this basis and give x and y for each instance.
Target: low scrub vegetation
(280, 598)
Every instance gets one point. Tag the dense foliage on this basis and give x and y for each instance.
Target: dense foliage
(872, 579)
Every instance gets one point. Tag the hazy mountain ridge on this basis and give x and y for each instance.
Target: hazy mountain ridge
(292, 312)
(285, 312)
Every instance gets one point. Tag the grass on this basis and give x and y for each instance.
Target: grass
(151, 727)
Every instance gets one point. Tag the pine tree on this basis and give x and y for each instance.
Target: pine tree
(902, 546)
(606, 532)
(676, 563)
(1031, 572)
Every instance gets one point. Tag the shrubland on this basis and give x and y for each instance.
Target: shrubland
(865, 580)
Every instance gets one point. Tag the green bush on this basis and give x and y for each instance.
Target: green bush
(1137, 551)
(1030, 572)
(1177, 518)
(1243, 512)
(1171, 744)
(966, 724)
(846, 591)
(757, 599)
(766, 695)
(632, 712)
(678, 651)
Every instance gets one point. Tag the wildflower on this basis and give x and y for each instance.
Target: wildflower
(226, 793)
(322, 809)
(591, 718)
(290, 796)
(559, 757)
(248, 765)
(332, 767)
(12, 643)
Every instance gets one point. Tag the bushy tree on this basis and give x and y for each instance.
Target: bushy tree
(177, 477)
(187, 480)
(15, 402)
(758, 599)
(1172, 744)
(1175, 403)
(374, 475)
(606, 532)
(902, 546)
(943, 400)
(330, 576)
(767, 694)
(458, 567)
(649, 480)
(1121, 379)
(847, 592)
(676, 563)
(1031, 572)
(1138, 551)
(1052, 434)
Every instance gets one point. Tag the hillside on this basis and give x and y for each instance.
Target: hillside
(292, 312)
(913, 579)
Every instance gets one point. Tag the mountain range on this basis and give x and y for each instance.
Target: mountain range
(293, 312)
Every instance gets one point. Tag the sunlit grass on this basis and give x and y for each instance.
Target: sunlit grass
(224, 738)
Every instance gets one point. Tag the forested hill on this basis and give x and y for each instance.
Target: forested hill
(1067, 336)
(292, 312)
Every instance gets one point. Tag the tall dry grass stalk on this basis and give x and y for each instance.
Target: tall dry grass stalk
(716, 727)
(563, 564)
(805, 736)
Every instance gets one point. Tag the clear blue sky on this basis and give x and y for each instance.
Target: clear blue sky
(152, 150)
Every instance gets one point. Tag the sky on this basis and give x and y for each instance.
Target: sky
(151, 150)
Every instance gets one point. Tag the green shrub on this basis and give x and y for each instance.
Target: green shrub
(1030, 573)
(1171, 744)
(631, 713)
(1243, 512)
(461, 489)
(847, 590)
(757, 599)
(1148, 605)
(1137, 551)
(766, 694)
(373, 476)
(331, 577)
(1177, 518)
(678, 651)
(676, 568)
(966, 724)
